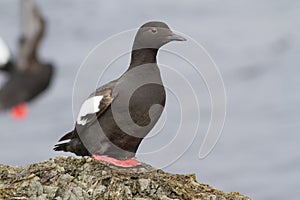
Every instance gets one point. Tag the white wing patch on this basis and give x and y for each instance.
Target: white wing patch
(90, 106)
(4, 53)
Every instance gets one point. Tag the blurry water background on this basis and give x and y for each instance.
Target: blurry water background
(254, 43)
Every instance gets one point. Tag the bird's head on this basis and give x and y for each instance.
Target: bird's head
(154, 35)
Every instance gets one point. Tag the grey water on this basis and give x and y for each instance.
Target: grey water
(255, 45)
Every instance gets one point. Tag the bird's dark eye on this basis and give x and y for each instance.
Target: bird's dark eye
(153, 30)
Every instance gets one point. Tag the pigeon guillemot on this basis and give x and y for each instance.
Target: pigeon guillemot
(29, 76)
(116, 141)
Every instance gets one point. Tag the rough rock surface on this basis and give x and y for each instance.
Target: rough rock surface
(68, 178)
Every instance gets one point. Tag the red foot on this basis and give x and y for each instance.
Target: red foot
(132, 162)
(19, 111)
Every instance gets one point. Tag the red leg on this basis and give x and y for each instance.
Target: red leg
(132, 162)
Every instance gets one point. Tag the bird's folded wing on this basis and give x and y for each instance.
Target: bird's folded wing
(94, 106)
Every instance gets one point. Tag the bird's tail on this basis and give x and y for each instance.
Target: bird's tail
(64, 146)
(67, 136)
(61, 147)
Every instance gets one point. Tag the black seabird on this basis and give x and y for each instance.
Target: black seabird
(114, 119)
(28, 76)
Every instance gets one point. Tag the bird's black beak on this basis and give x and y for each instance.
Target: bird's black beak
(175, 37)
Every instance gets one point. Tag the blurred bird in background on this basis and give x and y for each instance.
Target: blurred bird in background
(28, 76)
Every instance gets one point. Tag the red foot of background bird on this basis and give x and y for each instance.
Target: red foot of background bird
(19, 111)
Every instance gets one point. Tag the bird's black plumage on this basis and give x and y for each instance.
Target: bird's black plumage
(24, 86)
(129, 106)
(8, 67)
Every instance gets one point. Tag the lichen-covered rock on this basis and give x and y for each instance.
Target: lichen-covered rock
(69, 178)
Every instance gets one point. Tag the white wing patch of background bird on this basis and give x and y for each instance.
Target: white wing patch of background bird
(90, 106)
(4, 53)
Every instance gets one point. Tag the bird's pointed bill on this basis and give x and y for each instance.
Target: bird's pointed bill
(175, 37)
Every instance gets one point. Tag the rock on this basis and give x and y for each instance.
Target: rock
(71, 178)
(144, 184)
(50, 191)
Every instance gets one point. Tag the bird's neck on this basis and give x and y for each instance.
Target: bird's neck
(142, 56)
